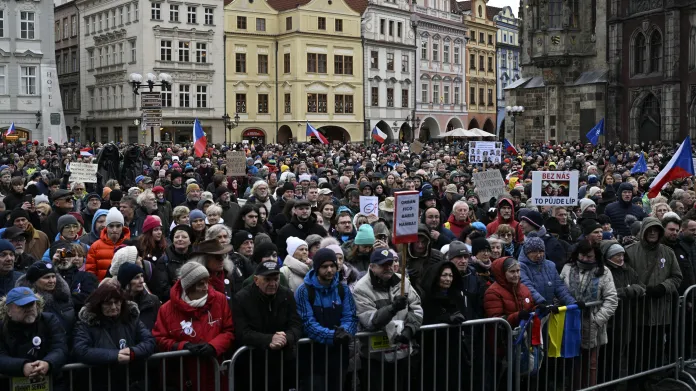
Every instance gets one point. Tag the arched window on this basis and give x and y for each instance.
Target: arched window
(655, 51)
(651, 109)
(639, 50)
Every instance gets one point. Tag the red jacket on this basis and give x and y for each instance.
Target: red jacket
(211, 324)
(504, 300)
(493, 226)
(101, 253)
(457, 227)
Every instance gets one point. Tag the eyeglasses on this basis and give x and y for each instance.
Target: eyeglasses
(505, 235)
(71, 226)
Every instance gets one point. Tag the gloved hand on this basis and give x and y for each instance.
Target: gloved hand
(190, 346)
(581, 304)
(554, 309)
(457, 318)
(341, 336)
(204, 350)
(656, 291)
(400, 303)
(523, 315)
(625, 293)
(404, 337)
(544, 309)
(638, 290)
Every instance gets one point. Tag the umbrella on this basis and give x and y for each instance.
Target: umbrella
(459, 132)
(480, 133)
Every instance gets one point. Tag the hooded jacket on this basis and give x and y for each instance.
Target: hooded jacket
(504, 300)
(681, 252)
(416, 265)
(59, 302)
(438, 305)
(492, 227)
(455, 226)
(102, 251)
(300, 229)
(38, 243)
(91, 237)
(656, 264)
(618, 210)
(543, 281)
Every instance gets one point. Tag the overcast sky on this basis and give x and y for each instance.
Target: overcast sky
(515, 4)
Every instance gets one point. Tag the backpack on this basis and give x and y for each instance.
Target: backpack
(312, 293)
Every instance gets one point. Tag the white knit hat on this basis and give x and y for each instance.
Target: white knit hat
(585, 203)
(293, 244)
(128, 254)
(114, 216)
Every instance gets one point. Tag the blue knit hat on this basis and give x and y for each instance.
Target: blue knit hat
(532, 244)
(5, 245)
(365, 236)
(196, 214)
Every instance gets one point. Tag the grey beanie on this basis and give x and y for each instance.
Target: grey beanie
(313, 240)
(64, 220)
(614, 249)
(191, 273)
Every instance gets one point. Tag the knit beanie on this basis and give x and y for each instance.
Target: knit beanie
(106, 192)
(39, 269)
(191, 273)
(191, 187)
(365, 236)
(116, 195)
(195, 215)
(262, 238)
(293, 243)
(478, 245)
(532, 244)
(614, 249)
(64, 220)
(17, 213)
(335, 248)
(589, 225)
(322, 256)
(313, 240)
(240, 237)
(151, 222)
(263, 250)
(127, 272)
(585, 203)
(127, 254)
(5, 245)
(114, 216)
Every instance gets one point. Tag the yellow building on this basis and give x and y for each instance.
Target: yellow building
(289, 62)
(481, 69)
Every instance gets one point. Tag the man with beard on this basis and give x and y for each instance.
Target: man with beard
(345, 231)
(33, 342)
(68, 261)
(8, 274)
(18, 238)
(302, 224)
(62, 204)
(230, 210)
(671, 223)
(440, 235)
(193, 195)
(260, 195)
(92, 203)
(38, 242)
(175, 192)
(569, 231)
(102, 251)
(506, 212)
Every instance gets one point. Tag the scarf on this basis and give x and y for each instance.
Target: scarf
(217, 280)
(509, 249)
(194, 303)
(486, 266)
(586, 265)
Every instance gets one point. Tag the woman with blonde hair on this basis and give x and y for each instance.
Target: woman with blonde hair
(180, 216)
(659, 210)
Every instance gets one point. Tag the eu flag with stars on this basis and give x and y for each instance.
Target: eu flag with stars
(595, 132)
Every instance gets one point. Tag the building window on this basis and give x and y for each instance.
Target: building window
(481, 101)
(490, 39)
(128, 16)
(574, 14)
(436, 51)
(287, 104)
(424, 49)
(472, 95)
(555, 12)
(472, 61)
(391, 28)
(321, 23)
(655, 51)
(481, 67)
(73, 59)
(390, 97)
(316, 63)
(481, 38)
(28, 80)
(136, 12)
(208, 16)
(374, 96)
(201, 52)
(101, 57)
(240, 103)
(91, 99)
(456, 55)
(58, 64)
(343, 104)
(390, 61)
(424, 93)
(260, 24)
(436, 94)
(472, 36)
(155, 10)
(404, 63)
(166, 96)
(241, 23)
(90, 55)
(56, 31)
(445, 94)
(343, 65)
(286, 63)
(515, 59)
(120, 50)
(490, 64)
(240, 63)
(66, 28)
(86, 23)
(399, 27)
(404, 97)
(173, 13)
(184, 47)
(166, 50)
(446, 53)
(73, 25)
(316, 103)
(456, 95)
(490, 97)
(201, 96)
(107, 56)
(263, 64)
(639, 56)
(263, 103)
(374, 59)
(133, 51)
(27, 21)
(120, 15)
(382, 26)
(288, 23)
(191, 15)
(184, 97)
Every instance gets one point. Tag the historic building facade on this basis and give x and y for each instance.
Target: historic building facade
(289, 64)
(564, 71)
(652, 75)
(507, 50)
(66, 34)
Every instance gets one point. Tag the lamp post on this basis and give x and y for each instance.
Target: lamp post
(229, 124)
(414, 123)
(163, 80)
(514, 111)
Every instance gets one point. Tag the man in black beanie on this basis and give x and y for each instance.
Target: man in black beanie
(175, 192)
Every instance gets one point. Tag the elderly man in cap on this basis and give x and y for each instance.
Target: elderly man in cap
(326, 195)
(62, 201)
(92, 202)
(380, 304)
(32, 342)
(8, 274)
(193, 195)
(266, 318)
(144, 182)
(243, 244)
(18, 238)
(302, 224)
(532, 222)
(37, 241)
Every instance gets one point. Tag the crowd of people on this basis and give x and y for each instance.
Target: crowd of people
(184, 257)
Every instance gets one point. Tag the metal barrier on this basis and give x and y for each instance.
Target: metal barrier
(687, 353)
(474, 355)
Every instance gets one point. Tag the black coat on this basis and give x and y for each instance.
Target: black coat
(298, 229)
(148, 305)
(685, 263)
(16, 344)
(81, 284)
(50, 225)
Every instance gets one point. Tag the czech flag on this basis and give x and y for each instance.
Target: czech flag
(680, 166)
(509, 147)
(200, 142)
(313, 132)
(86, 152)
(378, 135)
(10, 130)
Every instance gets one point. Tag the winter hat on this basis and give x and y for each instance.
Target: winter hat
(191, 187)
(589, 225)
(220, 191)
(151, 222)
(64, 220)
(17, 213)
(534, 218)
(116, 195)
(585, 203)
(553, 226)
(114, 216)
(191, 273)
(479, 226)
(365, 236)
(240, 237)
(305, 177)
(195, 215)
(607, 235)
(158, 189)
(322, 256)
(127, 272)
(181, 227)
(593, 191)
(263, 250)
(457, 249)
(477, 245)
(5, 245)
(613, 250)
(381, 255)
(39, 269)
(127, 254)
(288, 186)
(262, 238)
(313, 240)
(106, 192)
(293, 243)
(532, 244)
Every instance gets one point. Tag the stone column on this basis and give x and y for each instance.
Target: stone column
(671, 110)
(671, 45)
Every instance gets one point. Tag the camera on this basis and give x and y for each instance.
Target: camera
(67, 253)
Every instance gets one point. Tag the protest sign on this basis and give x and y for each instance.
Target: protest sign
(416, 147)
(488, 184)
(236, 163)
(83, 172)
(369, 205)
(405, 217)
(485, 151)
(555, 188)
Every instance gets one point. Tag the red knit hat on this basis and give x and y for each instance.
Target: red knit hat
(151, 222)
(158, 189)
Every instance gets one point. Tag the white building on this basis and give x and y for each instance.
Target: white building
(183, 39)
(390, 60)
(508, 53)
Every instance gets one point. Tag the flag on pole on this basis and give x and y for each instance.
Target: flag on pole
(564, 332)
(641, 165)
(313, 132)
(200, 142)
(378, 135)
(86, 152)
(680, 166)
(509, 147)
(10, 130)
(595, 132)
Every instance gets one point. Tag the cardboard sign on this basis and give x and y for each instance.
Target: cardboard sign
(83, 172)
(416, 147)
(369, 205)
(405, 217)
(485, 152)
(555, 188)
(488, 184)
(39, 383)
(236, 163)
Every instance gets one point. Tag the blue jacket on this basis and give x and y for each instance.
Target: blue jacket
(47, 256)
(326, 299)
(543, 281)
(91, 237)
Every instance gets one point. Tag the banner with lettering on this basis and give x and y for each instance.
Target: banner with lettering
(555, 188)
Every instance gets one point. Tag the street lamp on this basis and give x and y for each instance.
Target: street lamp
(165, 82)
(514, 111)
(414, 123)
(229, 124)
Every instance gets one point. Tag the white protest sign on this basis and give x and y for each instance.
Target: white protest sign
(555, 188)
(369, 205)
(485, 151)
(405, 217)
(83, 172)
(236, 163)
(693, 161)
(488, 184)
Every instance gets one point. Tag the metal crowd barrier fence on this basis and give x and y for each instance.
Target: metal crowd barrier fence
(687, 353)
(474, 355)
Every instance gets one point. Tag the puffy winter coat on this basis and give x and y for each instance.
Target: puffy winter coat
(300, 229)
(493, 226)
(555, 252)
(294, 271)
(58, 302)
(618, 210)
(504, 300)
(102, 252)
(543, 281)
